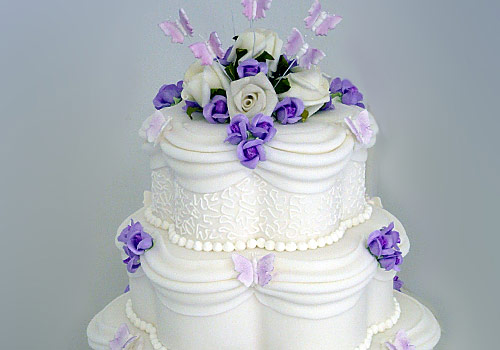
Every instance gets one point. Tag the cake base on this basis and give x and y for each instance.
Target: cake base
(418, 322)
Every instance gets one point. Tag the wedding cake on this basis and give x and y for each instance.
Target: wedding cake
(257, 232)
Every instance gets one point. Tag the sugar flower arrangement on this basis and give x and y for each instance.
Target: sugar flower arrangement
(259, 80)
(135, 243)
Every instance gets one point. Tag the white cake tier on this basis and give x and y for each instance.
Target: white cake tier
(312, 180)
(320, 299)
(418, 322)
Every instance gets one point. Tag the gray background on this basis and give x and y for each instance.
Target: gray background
(77, 79)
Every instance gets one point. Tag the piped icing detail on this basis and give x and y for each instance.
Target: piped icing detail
(150, 329)
(260, 242)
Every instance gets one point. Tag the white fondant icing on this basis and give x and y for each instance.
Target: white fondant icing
(258, 242)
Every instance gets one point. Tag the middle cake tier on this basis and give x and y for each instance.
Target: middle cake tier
(311, 186)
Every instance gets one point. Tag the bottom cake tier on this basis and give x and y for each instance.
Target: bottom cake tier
(418, 322)
(330, 298)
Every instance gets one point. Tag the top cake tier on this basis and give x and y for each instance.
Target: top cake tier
(309, 189)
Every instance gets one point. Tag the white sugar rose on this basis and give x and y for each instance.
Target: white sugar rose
(311, 87)
(251, 95)
(265, 40)
(199, 80)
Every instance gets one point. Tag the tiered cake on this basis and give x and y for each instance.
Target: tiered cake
(257, 233)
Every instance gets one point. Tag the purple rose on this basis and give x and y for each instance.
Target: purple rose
(262, 126)
(250, 68)
(383, 245)
(133, 228)
(237, 129)
(215, 112)
(168, 95)
(139, 242)
(132, 261)
(350, 93)
(136, 242)
(289, 110)
(397, 283)
(383, 241)
(250, 152)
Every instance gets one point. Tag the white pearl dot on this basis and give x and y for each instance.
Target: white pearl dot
(207, 246)
(228, 247)
(240, 245)
(190, 244)
(280, 247)
(261, 242)
(251, 243)
(198, 246)
(218, 247)
(270, 245)
(291, 247)
(302, 246)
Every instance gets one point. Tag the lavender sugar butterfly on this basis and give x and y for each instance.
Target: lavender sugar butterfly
(255, 9)
(401, 342)
(209, 50)
(124, 340)
(255, 271)
(320, 22)
(361, 127)
(179, 29)
(305, 55)
(157, 124)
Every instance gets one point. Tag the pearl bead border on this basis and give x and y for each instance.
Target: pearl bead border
(261, 242)
(157, 345)
(143, 326)
(381, 327)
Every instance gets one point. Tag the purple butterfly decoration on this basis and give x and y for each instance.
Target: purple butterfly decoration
(122, 339)
(157, 124)
(305, 55)
(320, 22)
(401, 342)
(255, 9)
(179, 29)
(209, 50)
(361, 127)
(254, 271)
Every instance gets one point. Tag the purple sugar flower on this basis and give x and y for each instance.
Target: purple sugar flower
(215, 112)
(224, 60)
(251, 67)
(391, 261)
(237, 130)
(262, 126)
(329, 106)
(136, 242)
(132, 229)
(250, 152)
(383, 245)
(168, 95)
(397, 283)
(127, 289)
(190, 104)
(350, 94)
(139, 242)
(132, 261)
(289, 110)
